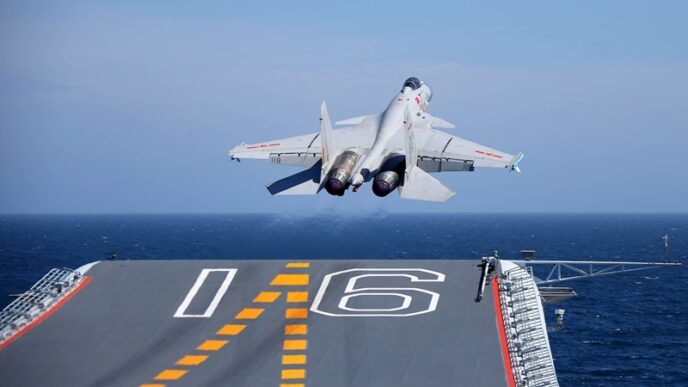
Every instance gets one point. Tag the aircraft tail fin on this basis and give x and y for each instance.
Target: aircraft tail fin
(306, 182)
(419, 185)
(328, 149)
(409, 142)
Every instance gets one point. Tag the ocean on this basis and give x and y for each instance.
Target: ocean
(627, 329)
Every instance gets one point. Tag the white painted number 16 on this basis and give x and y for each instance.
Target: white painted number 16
(391, 301)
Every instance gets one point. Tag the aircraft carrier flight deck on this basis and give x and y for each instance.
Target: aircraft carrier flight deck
(280, 323)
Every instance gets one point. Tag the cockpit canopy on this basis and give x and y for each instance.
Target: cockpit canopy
(413, 82)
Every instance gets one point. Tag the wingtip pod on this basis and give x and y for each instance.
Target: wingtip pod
(513, 165)
(232, 152)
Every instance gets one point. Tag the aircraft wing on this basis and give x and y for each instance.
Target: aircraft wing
(294, 151)
(441, 152)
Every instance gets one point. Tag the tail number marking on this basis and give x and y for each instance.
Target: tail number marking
(392, 300)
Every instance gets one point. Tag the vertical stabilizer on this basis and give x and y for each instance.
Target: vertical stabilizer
(410, 143)
(418, 184)
(328, 150)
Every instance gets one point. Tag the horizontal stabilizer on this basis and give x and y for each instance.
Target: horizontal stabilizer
(440, 123)
(419, 185)
(351, 121)
(306, 182)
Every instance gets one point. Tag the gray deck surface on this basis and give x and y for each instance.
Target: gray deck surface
(119, 329)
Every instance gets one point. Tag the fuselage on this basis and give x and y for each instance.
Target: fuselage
(414, 96)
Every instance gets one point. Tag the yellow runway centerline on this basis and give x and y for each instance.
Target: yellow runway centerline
(267, 297)
(294, 374)
(231, 329)
(296, 329)
(170, 374)
(249, 314)
(293, 359)
(296, 313)
(299, 265)
(290, 280)
(295, 345)
(212, 345)
(192, 360)
(293, 297)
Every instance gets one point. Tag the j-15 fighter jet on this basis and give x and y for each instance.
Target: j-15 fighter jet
(395, 149)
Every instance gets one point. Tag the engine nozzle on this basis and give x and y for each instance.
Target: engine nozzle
(385, 182)
(338, 180)
(335, 186)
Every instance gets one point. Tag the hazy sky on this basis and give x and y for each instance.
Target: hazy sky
(124, 107)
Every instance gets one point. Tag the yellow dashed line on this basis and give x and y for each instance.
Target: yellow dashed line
(170, 374)
(297, 297)
(231, 329)
(294, 374)
(298, 265)
(249, 314)
(295, 345)
(296, 329)
(293, 359)
(294, 313)
(212, 345)
(252, 314)
(267, 297)
(290, 330)
(192, 360)
(290, 280)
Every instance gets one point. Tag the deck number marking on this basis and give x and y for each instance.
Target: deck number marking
(414, 301)
(181, 310)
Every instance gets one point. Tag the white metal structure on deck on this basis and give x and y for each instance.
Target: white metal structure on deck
(582, 269)
(31, 304)
(524, 325)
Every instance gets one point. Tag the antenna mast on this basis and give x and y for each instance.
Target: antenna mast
(665, 238)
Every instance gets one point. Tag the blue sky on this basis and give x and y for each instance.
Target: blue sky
(124, 108)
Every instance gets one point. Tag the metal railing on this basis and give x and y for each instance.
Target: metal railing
(526, 332)
(570, 270)
(31, 304)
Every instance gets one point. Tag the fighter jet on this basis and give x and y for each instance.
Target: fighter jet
(396, 150)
